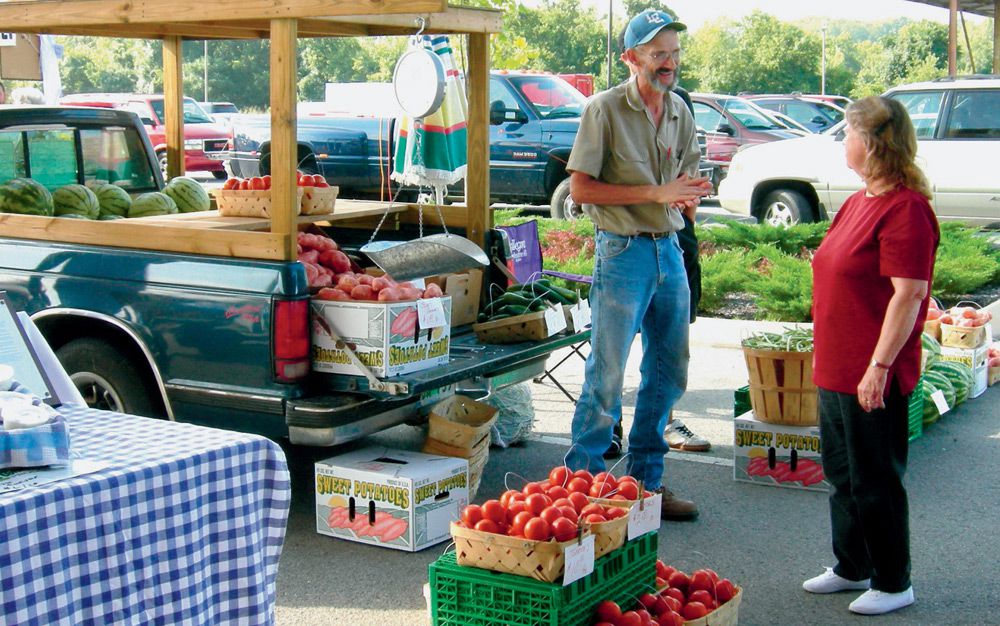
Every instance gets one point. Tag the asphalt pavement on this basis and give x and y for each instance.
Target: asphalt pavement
(766, 539)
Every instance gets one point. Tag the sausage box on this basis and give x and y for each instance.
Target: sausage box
(386, 337)
(392, 498)
(777, 455)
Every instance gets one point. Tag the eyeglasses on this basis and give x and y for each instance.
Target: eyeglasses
(661, 55)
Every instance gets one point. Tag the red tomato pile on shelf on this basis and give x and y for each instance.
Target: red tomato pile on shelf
(329, 269)
(264, 182)
(682, 598)
(961, 316)
(543, 510)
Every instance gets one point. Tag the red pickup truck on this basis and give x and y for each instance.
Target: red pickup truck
(203, 138)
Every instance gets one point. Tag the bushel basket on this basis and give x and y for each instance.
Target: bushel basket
(781, 387)
(726, 615)
(541, 560)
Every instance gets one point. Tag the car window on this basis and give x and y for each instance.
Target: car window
(116, 154)
(801, 112)
(924, 108)
(974, 115)
(831, 112)
(193, 114)
(500, 93)
(52, 156)
(749, 117)
(707, 118)
(551, 98)
(224, 108)
(11, 155)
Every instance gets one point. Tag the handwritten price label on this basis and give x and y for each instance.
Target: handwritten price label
(940, 402)
(579, 560)
(555, 320)
(430, 313)
(644, 516)
(580, 313)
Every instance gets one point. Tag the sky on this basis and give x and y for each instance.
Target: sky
(697, 13)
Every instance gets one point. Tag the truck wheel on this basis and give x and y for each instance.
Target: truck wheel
(161, 157)
(220, 174)
(785, 207)
(106, 377)
(562, 206)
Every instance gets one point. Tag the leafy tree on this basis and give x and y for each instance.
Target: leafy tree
(327, 60)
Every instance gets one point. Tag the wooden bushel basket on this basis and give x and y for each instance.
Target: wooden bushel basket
(319, 200)
(726, 615)
(460, 421)
(248, 202)
(527, 327)
(541, 560)
(608, 536)
(967, 337)
(781, 387)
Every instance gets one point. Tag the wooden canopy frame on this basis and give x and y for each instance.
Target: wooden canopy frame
(283, 22)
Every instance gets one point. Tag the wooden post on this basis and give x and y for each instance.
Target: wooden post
(477, 183)
(173, 105)
(284, 207)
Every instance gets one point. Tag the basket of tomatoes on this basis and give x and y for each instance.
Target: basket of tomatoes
(964, 327)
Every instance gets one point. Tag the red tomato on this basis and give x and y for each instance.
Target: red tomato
(556, 492)
(703, 596)
(663, 570)
(701, 580)
(601, 489)
(680, 580)
(661, 583)
(561, 502)
(605, 477)
(231, 183)
(493, 510)
(515, 507)
(578, 485)
(646, 619)
(531, 488)
(647, 600)
(676, 594)
(244, 185)
(559, 475)
(472, 514)
(305, 181)
(488, 526)
(579, 500)
(595, 518)
(608, 611)
(724, 590)
(671, 618)
(257, 183)
(660, 606)
(520, 520)
(550, 514)
(563, 528)
(694, 610)
(321, 184)
(537, 529)
(267, 181)
(537, 502)
(505, 498)
(711, 572)
(629, 618)
(628, 490)
(570, 513)
(584, 474)
(614, 512)
(592, 508)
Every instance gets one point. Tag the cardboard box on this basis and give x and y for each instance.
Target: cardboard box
(392, 498)
(386, 336)
(974, 358)
(777, 455)
(465, 289)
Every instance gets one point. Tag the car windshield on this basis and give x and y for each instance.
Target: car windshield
(193, 114)
(551, 97)
(224, 107)
(749, 115)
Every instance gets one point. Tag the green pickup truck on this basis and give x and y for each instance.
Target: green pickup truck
(218, 340)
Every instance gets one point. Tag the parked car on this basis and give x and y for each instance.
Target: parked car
(841, 101)
(730, 123)
(816, 115)
(958, 132)
(204, 141)
(221, 112)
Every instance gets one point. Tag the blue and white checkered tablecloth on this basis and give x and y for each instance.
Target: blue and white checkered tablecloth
(185, 526)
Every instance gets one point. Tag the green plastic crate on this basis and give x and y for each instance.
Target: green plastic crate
(741, 401)
(915, 410)
(470, 596)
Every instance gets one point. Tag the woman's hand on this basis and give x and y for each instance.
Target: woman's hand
(872, 389)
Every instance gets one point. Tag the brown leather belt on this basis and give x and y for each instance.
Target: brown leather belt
(653, 236)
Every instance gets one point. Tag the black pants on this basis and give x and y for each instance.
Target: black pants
(689, 246)
(864, 458)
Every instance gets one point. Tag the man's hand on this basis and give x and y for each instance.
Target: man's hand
(682, 190)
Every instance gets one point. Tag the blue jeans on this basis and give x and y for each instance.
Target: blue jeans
(639, 283)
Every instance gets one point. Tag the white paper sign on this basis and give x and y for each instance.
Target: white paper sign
(940, 402)
(8, 39)
(430, 313)
(579, 560)
(580, 314)
(555, 320)
(644, 517)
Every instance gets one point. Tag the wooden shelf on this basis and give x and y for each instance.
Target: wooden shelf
(344, 210)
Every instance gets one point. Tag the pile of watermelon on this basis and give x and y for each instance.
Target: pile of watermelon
(188, 194)
(953, 379)
(24, 196)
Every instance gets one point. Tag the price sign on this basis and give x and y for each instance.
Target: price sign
(580, 313)
(555, 320)
(644, 516)
(579, 560)
(940, 402)
(8, 39)
(430, 313)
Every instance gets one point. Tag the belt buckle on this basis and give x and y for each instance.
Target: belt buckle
(655, 236)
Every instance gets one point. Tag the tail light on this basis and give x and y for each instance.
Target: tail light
(290, 340)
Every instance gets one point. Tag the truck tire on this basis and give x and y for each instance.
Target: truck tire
(161, 157)
(785, 207)
(106, 377)
(562, 206)
(220, 174)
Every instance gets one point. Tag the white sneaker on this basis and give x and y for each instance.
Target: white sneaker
(680, 437)
(828, 582)
(875, 602)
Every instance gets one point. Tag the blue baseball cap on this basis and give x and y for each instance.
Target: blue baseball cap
(644, 27)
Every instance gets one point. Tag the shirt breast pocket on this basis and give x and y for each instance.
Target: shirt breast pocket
(629, 166)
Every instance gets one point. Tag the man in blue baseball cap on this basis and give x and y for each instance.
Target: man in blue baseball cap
(633, 169)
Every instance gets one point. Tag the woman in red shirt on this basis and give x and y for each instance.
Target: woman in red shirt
(871, 277)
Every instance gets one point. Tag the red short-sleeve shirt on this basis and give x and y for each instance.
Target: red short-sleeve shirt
(871, 240)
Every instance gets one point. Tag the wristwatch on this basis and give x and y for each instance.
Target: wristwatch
(875, 363)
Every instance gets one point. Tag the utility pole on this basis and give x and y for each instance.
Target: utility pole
(822, 63)
(610, 38)
(205, 77)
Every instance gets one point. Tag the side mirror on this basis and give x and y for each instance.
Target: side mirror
(726, 129)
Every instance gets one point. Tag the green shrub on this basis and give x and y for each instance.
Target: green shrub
(723, 273)
(965, 262)
(785, 290)
(790, 240)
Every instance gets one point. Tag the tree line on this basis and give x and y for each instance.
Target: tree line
(758, 54)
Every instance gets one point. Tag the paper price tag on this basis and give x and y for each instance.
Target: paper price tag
(645, 518)
(555, 320)
(579, 560)
(430, 313)
(940, 402)
(8, 39)
(580, 313)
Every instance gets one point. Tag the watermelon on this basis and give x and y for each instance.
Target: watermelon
(941, 383)
(960, 375)
(109, 217)
(152, 203)
(75, 200)
(188, 194)
(24, 196)
(113, 200)
(931, 350)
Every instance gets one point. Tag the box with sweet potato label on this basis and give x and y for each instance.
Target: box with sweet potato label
(389, 338)
(392, 498)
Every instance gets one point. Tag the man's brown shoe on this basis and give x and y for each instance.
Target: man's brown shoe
(676, 509)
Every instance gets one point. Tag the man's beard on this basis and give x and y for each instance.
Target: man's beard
(653, 78)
